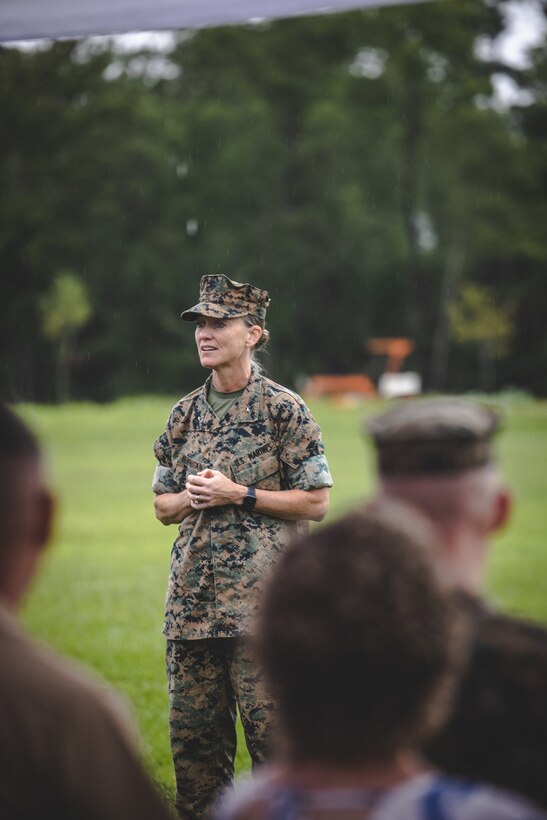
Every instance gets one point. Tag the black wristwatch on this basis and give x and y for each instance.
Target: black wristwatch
(249, 501)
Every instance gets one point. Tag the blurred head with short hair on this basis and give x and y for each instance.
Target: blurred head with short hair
(438, 455)
(26, 507)
(359, 639)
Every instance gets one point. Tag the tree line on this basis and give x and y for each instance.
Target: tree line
(357, 166)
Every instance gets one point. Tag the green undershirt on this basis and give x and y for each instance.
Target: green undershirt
(222, 402)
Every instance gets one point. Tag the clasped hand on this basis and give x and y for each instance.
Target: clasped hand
(211, 488)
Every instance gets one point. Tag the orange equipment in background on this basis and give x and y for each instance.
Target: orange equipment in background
(356, 385)
(352, 384)
(396, 350)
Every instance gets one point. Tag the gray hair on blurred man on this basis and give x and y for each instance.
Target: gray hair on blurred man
(66, 748)
(438, 456)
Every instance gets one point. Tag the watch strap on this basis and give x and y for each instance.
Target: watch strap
(249, 501)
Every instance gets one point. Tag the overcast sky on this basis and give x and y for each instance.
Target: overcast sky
(526, 27)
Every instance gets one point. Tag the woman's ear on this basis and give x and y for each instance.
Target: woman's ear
(253, 335)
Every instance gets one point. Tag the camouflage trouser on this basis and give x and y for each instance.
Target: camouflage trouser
(206, 679)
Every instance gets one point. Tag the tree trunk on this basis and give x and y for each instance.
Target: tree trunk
(452, 272)
(487, 366)
(62, 376)
(409, 197)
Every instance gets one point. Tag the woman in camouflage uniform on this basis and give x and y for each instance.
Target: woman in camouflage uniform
(240, 465)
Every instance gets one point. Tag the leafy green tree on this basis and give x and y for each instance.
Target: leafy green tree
(477, 319)
(65, 309)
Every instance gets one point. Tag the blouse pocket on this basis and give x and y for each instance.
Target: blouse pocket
(263, 473)
(185, 466)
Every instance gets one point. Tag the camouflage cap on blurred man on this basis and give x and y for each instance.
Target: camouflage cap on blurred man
(221, 298)
(434, 436)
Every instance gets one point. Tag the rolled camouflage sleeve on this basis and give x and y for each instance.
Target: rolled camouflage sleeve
(303, 454)
(163, 480)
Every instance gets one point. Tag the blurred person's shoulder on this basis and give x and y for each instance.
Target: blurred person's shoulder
(503, 628)
(512, 630)
(42, 690)
(251, 799)
(431, 796)
(72, 749)
(497, 731)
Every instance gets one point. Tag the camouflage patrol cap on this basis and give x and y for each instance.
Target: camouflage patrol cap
(434, 436)
(221, 298)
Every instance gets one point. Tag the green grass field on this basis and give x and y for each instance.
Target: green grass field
(100, 596)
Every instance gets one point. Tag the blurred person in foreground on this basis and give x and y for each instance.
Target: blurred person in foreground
(66, 749)
(241, 466)
(361, 643)
(438, 455)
